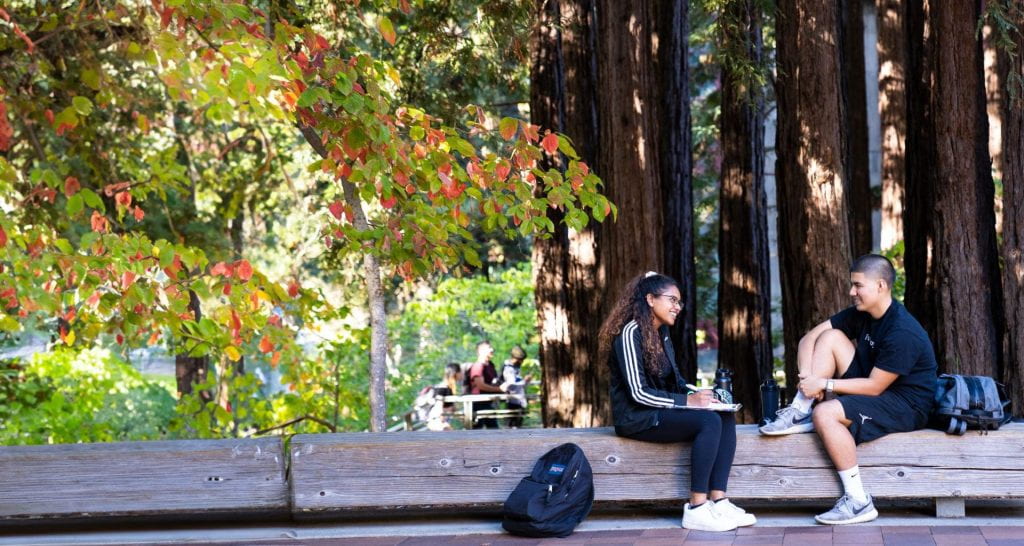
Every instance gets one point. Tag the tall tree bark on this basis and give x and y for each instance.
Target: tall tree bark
(744, 288)
(565, 265)
(673, 106)
(892, 111)
(1013, 226)
(953, 283)
(856, 126)
(814, 234)
(625, 61)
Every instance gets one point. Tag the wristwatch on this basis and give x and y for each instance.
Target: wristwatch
(830, 385)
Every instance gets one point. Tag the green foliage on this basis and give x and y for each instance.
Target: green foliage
(69, 396)
(446, 326)
(895, 255)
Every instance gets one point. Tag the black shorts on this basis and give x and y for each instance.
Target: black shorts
(875, 416)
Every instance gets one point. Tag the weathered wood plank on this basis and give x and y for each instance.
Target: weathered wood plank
(140, 479)
(353, 472)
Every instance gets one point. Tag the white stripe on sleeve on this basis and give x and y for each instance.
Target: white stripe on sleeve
(633, 371)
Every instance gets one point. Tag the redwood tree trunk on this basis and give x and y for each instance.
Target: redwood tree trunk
(856, 126)
(565, 265)
(814, 234)
(892, 110)
(744, 288)
(960, 288)
(673, 125)
(1013, 230)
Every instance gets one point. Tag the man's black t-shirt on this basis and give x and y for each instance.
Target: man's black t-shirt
(895, 343)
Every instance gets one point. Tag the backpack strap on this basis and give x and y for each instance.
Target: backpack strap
(977, 391)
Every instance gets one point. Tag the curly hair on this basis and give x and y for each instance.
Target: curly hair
(632, 305)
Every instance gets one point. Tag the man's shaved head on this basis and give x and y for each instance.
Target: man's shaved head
(875, 266)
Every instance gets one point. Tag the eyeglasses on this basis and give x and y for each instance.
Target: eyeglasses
(674, 301)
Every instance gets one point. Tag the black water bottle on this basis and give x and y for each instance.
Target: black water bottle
(769, 400)
(723, 385)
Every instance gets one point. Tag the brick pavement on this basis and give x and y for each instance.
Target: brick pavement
(778, 536)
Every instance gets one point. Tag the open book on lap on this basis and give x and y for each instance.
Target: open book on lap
(716, 406)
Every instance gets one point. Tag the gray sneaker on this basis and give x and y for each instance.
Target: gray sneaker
(846, 511)
(788, 420)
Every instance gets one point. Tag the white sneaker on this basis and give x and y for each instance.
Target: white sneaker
(788, 420)
(706, 518)
(726, 508)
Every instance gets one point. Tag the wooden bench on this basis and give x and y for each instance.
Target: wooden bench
(349, 474)
(168, 480)
(359, 474)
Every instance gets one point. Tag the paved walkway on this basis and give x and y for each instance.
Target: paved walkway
(900, 524)
(779, 536)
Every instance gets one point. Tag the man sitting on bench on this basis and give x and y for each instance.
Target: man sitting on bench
(877, 362)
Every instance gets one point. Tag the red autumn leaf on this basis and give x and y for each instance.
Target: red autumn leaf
(502, 169)
(532, 132)
(221, 268)
(98, 222)
(550, 143)
(388, 202)
(120, 339)
(123, 199)
(387, 30)
(94, 299)
(71, 186)
(165, 17)
(244, 269)
(274, 320)
(6, 131)
(49, 116)
(3, 237)
(336, 209)
(275, 358)
(139, 214)
(358, 88)
(266, 345)
(410, 189)
(127, 278)
(226, 290)
(320, 43)
(293, 289)
(236, 323)
(138, 309)
(4, 15)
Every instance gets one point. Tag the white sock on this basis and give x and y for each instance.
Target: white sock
(852, 484)
(802, 403)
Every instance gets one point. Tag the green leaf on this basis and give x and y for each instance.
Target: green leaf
(417, 133)
(472, 258)
(64, 246)
(565, 146)
(353, 104)
(91, 199)
(82, 105)
(91, 79)
(462, 146)
(75, 204)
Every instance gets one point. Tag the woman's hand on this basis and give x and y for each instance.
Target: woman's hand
(701, 398)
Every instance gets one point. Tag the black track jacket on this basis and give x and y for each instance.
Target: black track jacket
(635, 399)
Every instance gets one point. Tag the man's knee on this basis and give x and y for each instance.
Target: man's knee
(832, 338)
(827, 413)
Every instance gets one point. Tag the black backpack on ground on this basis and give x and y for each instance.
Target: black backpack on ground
(969, 402)
(554, 498)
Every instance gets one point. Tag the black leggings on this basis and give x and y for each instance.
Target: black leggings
(714, 443)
